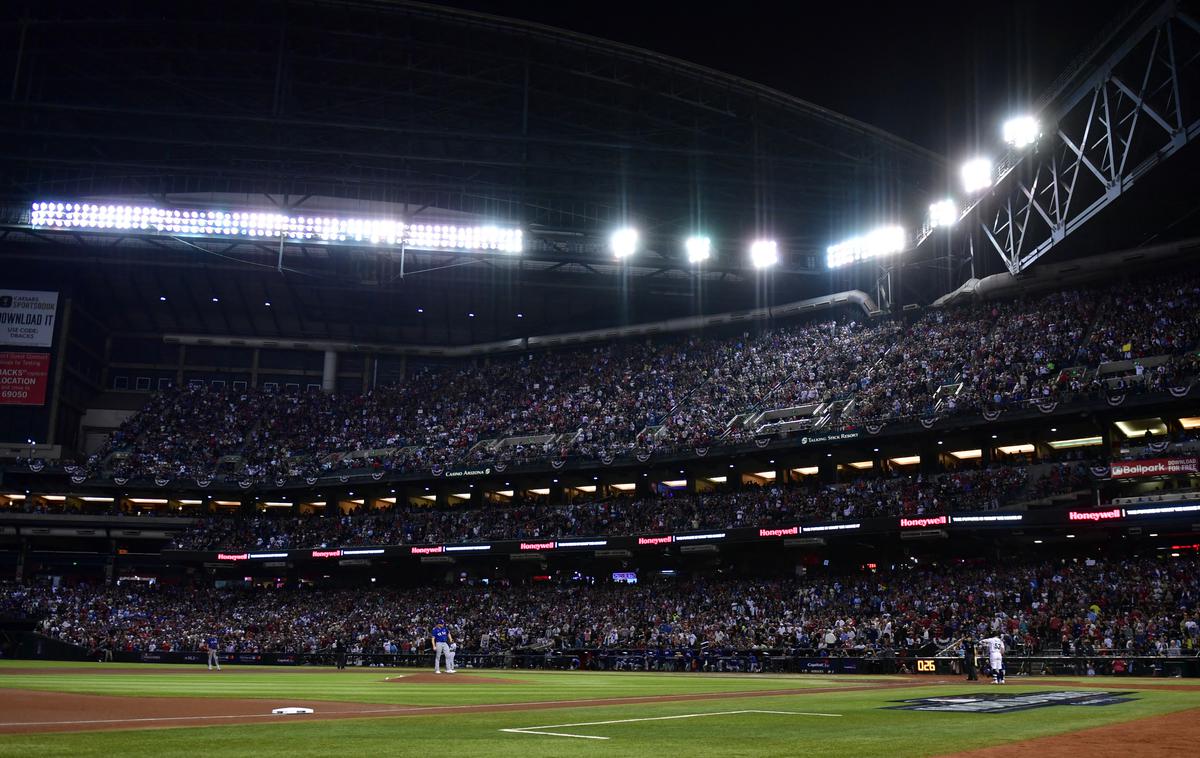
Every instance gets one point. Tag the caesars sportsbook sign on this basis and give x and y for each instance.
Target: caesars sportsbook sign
(27, 317)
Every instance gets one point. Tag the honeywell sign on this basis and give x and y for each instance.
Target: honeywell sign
(1154, 467)
(790, 531)
(1108, 515)
(924, 521)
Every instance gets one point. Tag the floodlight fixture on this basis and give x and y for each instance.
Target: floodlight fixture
(943, 213)
(1022, 131)
(699, 248)
(977, 174)
(623, 242)
(173, 222)
(764, 253)
(886, 240)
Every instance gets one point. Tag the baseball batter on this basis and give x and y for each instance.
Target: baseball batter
(995, 650)
(441, 638)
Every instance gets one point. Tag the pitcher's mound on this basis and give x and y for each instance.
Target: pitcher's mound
(429, 677)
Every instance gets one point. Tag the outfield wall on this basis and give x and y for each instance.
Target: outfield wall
(641, 660)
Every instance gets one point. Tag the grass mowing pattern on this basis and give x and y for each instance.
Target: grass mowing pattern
(863, 730)
(368, 685)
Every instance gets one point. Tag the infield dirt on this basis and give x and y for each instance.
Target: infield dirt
(27, 711)
(1169, 734)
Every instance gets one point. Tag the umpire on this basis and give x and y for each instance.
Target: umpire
(339, 652)
(969, 659)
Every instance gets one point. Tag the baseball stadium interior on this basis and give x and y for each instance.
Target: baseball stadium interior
(322, 321)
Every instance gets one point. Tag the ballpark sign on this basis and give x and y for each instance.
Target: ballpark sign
(27, 317)
(1153, 467)
(23, 378)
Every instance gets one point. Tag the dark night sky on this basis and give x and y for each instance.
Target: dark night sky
(941, 74)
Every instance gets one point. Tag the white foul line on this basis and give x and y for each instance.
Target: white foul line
(541, 729)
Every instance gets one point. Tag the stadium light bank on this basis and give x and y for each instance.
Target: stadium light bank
(886, 240)
(977, 175)
(699, 248)
(764, 253)
(173, 222)
(623, 242)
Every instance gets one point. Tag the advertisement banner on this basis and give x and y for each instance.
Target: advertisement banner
(27, 317)
(1154, 467)
(23, 378)
(819, 437)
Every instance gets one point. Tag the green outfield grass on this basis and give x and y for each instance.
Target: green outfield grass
(860, 727)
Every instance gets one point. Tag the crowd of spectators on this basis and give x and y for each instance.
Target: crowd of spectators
(679, 392)
(1155, 316)
(1119, 607)
(866, 497)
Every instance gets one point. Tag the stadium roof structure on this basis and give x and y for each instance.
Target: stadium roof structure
(432, 115)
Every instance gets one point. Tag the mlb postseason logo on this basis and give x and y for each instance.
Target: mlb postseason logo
(992, 702)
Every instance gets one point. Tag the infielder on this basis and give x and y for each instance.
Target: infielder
(441, 639)
(213, 660)
(450, 657)
(995, 650)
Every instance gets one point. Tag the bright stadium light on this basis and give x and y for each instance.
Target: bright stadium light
(328, 230)
(886, 240)
(698, 249)
(943, 213)
(977, 174)
(1022, 131)
(764, 253)
(623, 242)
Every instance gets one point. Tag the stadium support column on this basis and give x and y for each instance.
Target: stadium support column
(110, 563)
(329, 373)
(60, 361)
(22, 554)
(643, 487)
(931, 457)
(827, 471)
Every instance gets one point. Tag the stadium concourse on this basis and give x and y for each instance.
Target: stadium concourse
(665, 395)
(673, 512)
